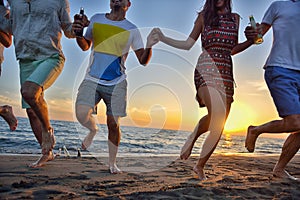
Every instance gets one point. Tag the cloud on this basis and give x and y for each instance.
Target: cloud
(9, 100)
(254, 88)
(259, 85)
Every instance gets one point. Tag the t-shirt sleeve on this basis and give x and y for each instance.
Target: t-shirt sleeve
(137, 42)
(89, 31)
(270, 14)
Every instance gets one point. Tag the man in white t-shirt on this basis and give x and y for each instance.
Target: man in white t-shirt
(282, 75)
(111, 35)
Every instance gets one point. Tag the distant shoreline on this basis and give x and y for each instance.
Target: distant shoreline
(237, 133)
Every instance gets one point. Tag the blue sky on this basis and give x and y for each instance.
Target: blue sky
(162, 94)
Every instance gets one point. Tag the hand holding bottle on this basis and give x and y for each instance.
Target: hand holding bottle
(251, 33)
(80, 22)
(257, 37)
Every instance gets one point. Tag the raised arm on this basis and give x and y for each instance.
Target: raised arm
(241, 47)
(65, 19)
(251, 34)
(83, 43)
(79, 24)
(190, 41)
(5, 25)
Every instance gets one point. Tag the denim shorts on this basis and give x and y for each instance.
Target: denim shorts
(114, 97)
(42, 72)
(284, 86)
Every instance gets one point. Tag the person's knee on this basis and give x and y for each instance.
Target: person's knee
(112, 124)
(297, 136)
(30, 112)
(82, 114)
(29, 95)
(113, 130)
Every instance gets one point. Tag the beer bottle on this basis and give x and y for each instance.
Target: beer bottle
(78, 153)
(259, 38)
(66, 152)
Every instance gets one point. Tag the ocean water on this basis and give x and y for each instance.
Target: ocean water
(135, 141)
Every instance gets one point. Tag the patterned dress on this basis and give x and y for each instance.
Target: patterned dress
(214, 67)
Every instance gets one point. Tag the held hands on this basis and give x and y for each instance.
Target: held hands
(80, 23)
(154, 37)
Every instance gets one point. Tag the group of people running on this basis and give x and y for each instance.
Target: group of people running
(37, 41)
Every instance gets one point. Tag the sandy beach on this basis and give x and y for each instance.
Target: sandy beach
(230, 177)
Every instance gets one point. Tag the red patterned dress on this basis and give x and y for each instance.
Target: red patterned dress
(214, 67)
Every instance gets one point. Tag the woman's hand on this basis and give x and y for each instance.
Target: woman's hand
(152, 39)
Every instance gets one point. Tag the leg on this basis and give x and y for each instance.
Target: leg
(46, 157)
(289, 149)
(7, 113)
(35, 124)
(33, 95)
(284, 88)
(201, 128)
(288, 124)
(85, 118)
(114, 137)
(35, 77)
(217, 112)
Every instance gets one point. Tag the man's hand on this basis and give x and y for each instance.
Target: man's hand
(152, 39)
(80, 22)
(159, 33)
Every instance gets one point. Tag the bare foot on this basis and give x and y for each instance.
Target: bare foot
(86, 143)
(113, 169)
(186, 150)
(200, 172)
(251, 139)
(48, 141)
(285, 175)
(8, 116)
(42, 160)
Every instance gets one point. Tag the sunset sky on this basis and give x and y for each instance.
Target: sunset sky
(161, 95)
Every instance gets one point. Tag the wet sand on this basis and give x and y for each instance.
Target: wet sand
(229, 177)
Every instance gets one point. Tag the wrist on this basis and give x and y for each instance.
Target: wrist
(87, 23)
(148, 45)
(80, 37)
(250, 41)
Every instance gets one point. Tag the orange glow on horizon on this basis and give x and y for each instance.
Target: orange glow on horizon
(240, 117)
